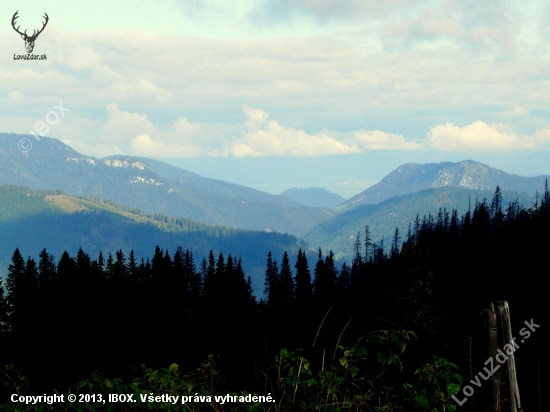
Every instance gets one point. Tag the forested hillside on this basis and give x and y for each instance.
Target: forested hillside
(340, 232)
(32, 220)
(418, 309)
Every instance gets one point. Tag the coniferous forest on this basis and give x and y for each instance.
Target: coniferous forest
(399, 328)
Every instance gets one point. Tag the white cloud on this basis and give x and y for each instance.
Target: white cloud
(265, 138)
(133, 133)
(516, 111)
(378, 140)
(123, 126)
(16, 96)
(140, 88)
(268, 137)
(347, 81)
(144, 145)
(344, 81)
(255, 117)
(479, 136)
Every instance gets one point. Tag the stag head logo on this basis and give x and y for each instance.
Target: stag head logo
(29, 40)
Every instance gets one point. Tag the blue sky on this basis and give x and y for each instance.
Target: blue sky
(277, 93)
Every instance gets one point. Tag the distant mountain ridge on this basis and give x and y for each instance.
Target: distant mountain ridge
(314, 197)
(468, 174)
(156, 187)
(340, 232)
(32, 220)
(208, 185)
(152, 186)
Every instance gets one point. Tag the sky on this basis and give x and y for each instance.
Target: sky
(274, 94)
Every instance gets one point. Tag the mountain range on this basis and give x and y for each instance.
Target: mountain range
(339, 233)
(152, 186)
(468, 174)
(150, 191)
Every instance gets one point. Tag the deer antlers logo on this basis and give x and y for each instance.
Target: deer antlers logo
(29, 40)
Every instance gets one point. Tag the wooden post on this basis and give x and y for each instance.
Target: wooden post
(504, 384)
(494, 381)
(509, 380)
(471, 360)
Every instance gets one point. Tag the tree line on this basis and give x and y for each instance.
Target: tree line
(62, 320)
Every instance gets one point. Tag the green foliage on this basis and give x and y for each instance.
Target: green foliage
(205, 381)
(359, 378)
(436, 383)
(355, 379)
(13, 379)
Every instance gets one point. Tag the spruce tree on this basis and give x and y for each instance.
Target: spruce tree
(368, 240)
(3, 309)
(344, 280)
(318, 274)
(209, 279)
(15, 279)
(167, 268)
(453, 227)
(157, 264)
(357, 261)
(83, 264)
(132, 267)
(416, 229)
(21, 284)
(331, 272)
(496, 208)
(286, 284)
(357, 250)
(271, 282)
(100, 267)
(395, 243)
(324, 280)
(31, 276)
(110, 267)
(546, 196)
(46, 269)
(304, 288)
(221, 269)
